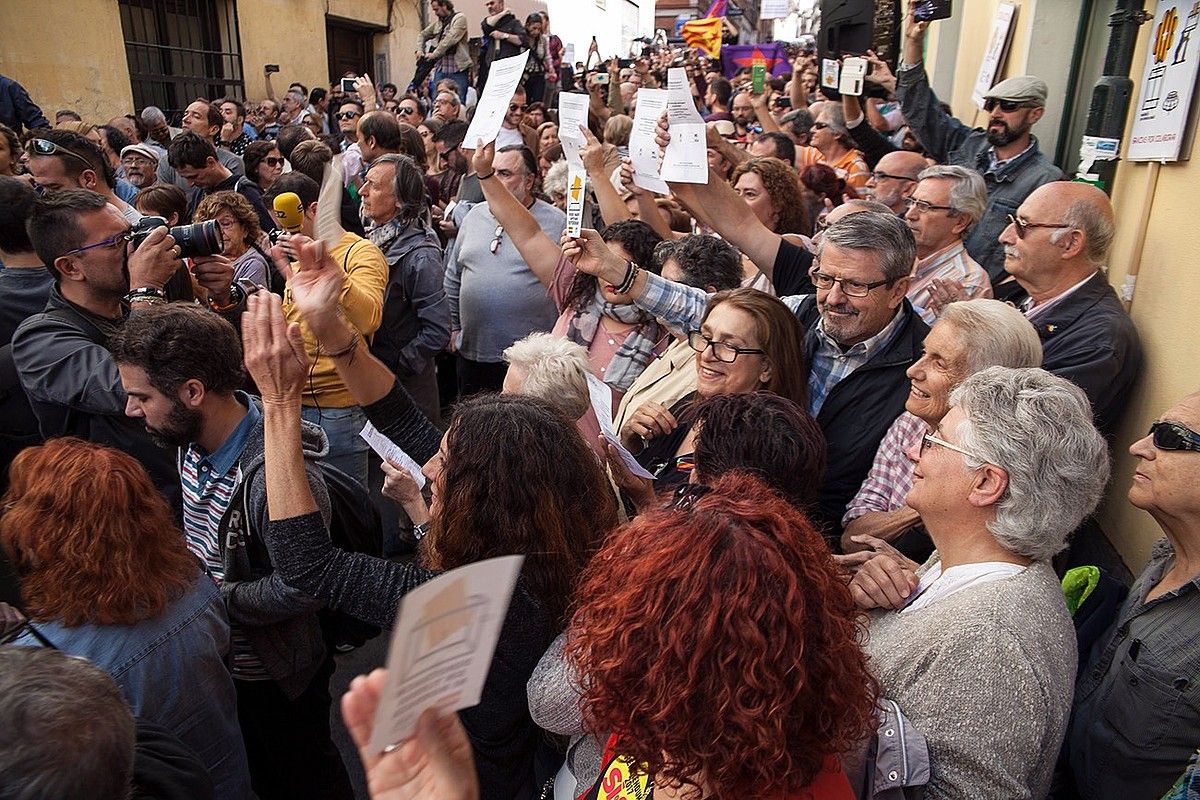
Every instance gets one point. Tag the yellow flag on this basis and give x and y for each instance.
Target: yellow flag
(704, 34)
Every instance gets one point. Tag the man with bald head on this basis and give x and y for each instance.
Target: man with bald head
(1054, 247)
(894, 178)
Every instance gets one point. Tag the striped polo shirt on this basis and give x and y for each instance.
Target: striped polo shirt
(209, 481)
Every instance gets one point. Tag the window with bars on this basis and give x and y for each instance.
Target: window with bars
(179, 50)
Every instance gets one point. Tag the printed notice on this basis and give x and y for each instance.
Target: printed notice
(644, 153)
(442, 645)
(388, 450)
(686, 157)
(572, 118)
(601, 397)
(502, 81)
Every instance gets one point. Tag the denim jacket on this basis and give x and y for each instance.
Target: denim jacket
(172, 671)
(949, 141)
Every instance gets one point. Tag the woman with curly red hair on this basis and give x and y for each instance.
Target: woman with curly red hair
(104, 573)
(720, 649)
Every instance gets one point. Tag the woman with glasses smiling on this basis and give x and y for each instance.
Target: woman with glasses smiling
(977, 645)
(748, 341)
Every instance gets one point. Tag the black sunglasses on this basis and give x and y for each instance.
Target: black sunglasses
(348, 115)
(1007, 106)
(1173, 436)
(517, 106)
(45, 147)
(272, 161)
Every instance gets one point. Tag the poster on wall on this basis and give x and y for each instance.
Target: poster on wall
(1168, 83)
(993, 56)
(774, 9)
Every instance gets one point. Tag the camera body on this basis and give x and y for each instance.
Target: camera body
(197, 239)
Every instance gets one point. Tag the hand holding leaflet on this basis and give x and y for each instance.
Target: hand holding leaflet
(644, 152)
(572, 118)
(503, 78)
(601, 397)
(388, 450)
(443, 641)
(686, 158)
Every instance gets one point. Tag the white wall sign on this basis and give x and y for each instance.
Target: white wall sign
(1168, 81)
(774, 9)
(993, 57)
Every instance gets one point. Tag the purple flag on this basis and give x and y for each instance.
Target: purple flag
(739, 56)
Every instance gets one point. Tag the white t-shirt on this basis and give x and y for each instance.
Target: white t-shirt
(507, 137)
(936, 585)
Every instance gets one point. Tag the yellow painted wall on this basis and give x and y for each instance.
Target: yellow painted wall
(86, 68)
(1167, 294)
(81, 65)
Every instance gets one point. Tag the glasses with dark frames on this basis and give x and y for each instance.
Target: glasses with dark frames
(1007, 106)
(113, 241)
(879, 175)
(348, 114)
(517, 106)
(1173, 436)
(849, 287)
(722, 351)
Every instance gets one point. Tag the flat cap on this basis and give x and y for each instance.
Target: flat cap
(1021, 89)
(141, 150)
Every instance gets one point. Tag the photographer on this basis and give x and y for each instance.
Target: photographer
(100, 277)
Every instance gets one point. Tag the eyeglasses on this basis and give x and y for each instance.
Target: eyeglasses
(517, 106)
(879, 175)
(819, 126)
(113, 241)
(45, 147)
(406, 110)
(1173, 436)
(1007, 106)
(849, 287)
(495, 246)
(924, 207)
(929, 439)
(722, 351)
(274, 161)
(137, 161)
(1022, 226)
(348, 114)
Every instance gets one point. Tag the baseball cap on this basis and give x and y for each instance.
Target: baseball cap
(1021, 89)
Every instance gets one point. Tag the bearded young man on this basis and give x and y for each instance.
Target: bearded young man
(1005, 153)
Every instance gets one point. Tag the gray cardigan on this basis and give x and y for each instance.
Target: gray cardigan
(986, 674)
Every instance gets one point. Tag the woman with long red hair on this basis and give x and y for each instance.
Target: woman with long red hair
(719, 650)
(105, 574)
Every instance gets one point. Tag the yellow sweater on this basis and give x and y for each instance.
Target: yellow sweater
(362, 303)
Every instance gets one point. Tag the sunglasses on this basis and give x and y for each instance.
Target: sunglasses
(45, 147)
(1173, 436)
(406, 110)
(1022, 227)
(348, 115)
(272, 161)
(495, 245)
(819, 126)
(1007, 106)
(517, 106)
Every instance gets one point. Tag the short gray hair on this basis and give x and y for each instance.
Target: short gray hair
(555, 370)
(968, 192)
(993, 333)
(65, 728)
(835, 118)
(153, 115)
(1038, 428)
(883, 234)
(1098, 230)
(555, 181)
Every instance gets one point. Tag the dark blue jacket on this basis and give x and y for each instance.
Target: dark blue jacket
(951, 142)
(16, 109)
(1089, 339)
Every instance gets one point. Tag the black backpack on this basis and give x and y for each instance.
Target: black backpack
(354, 526)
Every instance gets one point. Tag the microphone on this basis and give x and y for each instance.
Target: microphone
(289, 211)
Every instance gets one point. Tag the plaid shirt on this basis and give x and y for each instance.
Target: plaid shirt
(953, 264)
(891, 477)
(831, 364)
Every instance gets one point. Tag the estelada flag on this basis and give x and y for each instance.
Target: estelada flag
(704, 34)
(772, 55)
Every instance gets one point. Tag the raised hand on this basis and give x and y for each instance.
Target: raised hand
(274, 350)
(315, 284)
(592, 155)
(482, 157)
(435, 764)
(590, 254)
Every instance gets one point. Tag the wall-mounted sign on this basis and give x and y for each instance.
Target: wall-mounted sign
(1168, 82)
(997, 47)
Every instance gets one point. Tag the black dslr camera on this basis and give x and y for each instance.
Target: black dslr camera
(198, 239)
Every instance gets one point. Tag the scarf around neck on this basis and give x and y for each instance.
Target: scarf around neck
(634, 353)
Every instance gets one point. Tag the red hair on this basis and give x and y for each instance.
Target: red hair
(720, 644)
(90, 537)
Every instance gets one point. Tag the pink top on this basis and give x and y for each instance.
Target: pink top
(605, 344)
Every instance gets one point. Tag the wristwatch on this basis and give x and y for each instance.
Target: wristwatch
(419, 531)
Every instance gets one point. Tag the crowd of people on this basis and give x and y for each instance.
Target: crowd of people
(873, 365)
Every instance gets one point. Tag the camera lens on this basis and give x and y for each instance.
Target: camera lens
(198, 239)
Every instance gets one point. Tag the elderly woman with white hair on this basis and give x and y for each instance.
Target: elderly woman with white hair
(980, 651)
(969, 336)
